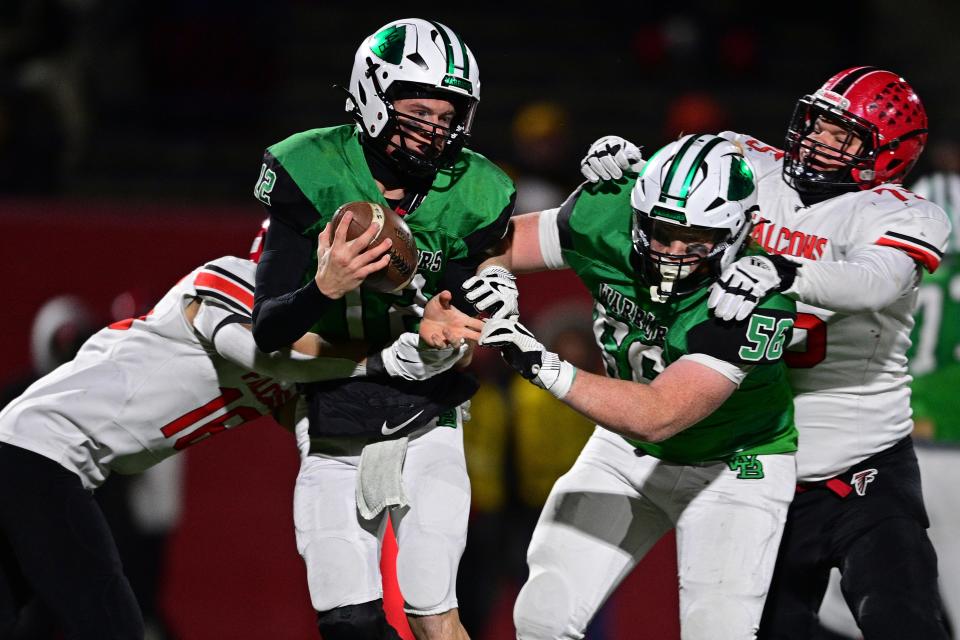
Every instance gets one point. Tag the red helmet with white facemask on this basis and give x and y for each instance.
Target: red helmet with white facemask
(876, 107)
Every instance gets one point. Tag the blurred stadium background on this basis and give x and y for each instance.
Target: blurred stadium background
(130, 140)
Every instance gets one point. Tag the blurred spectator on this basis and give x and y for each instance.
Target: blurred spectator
(543, 165)
(60, 327)
(694, 112)
(44, 118)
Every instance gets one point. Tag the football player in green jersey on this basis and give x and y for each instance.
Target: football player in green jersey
(377, 446)
(935, 354)
(695, 416)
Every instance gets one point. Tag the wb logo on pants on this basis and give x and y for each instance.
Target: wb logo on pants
(748, 466)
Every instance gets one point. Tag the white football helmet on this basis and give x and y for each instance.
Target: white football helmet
(699, 190)
(413, 58)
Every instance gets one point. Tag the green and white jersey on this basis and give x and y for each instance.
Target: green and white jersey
(305, 178)
(591, 233)
(934, 356)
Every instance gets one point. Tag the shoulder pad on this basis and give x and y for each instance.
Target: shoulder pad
(229, 281)
(896, 217)
(766, 159)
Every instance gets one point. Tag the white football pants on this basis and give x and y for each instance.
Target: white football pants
(604, 514)
(342, 551)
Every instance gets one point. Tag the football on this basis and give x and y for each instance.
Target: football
(403, 252)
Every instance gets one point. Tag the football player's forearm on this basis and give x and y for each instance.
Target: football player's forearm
(311, 344)
(283, 309)
(684, 394)
(870, 280)
(279, 321)
(234, 342)
(519, 251)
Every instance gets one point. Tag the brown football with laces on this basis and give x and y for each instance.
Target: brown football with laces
(403, 252)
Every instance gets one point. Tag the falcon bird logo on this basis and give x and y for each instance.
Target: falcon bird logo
(861, 479)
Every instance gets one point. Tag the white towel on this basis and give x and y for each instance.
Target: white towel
(379, 482)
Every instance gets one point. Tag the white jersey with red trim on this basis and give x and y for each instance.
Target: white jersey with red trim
(142, 389)
(848, 370)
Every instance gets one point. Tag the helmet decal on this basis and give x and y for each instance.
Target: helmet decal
(388, 44)
(742, 180)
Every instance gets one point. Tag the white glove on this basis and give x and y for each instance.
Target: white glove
(494, 288)
(609, 157)
(406, 358)
(745, 282)
(528, 357)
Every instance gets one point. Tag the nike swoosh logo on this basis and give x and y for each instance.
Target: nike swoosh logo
(387, 431)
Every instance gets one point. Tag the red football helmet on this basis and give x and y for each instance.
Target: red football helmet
(876, 106)
(256, 247)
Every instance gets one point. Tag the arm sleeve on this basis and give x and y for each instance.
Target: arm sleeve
(871, 278)
(735, 373)
(282, 309)
(550, 239)
(229, 335)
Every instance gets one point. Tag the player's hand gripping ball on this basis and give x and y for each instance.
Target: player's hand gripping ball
(403, 253)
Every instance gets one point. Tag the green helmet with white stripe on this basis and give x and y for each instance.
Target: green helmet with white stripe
(413, 58)
(692, 203)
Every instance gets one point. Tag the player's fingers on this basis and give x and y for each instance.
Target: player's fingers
(735, 309)
(746, 307)
(612, 165)
(588, 173)
(599, 169)
(445, 298)
(436, 340)
(375, 252)
(468, 333)
(340, 237)
(727, 307)
(485, 302)
(475, 293)
(715, 294)
(620, 159)
(474, 324)
(362, 242)
(323, 240)
(453, 337)
(373, 267)
(469, 283)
